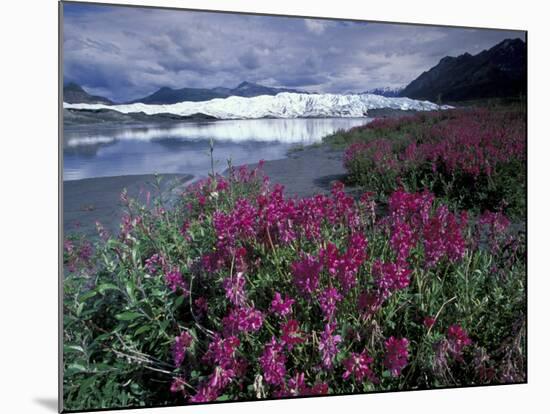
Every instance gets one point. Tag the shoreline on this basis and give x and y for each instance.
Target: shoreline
(304, 172)
(88, 200)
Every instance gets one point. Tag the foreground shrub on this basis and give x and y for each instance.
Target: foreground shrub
(240, 293)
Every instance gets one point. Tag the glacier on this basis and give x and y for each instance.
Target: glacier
(282, 105)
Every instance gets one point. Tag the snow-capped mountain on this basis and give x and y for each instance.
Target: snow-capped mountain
(282, 105)
(386, 91)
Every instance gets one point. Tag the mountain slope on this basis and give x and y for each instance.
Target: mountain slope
(386, 91)
(497, 72)
(282, 105)
(167, 96)
(73, 93)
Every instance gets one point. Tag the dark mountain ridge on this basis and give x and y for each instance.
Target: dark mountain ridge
(166, 95)
(500, 71)
(74, 93)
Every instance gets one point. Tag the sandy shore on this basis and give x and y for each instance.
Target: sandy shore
(307, 172)
(98, 199)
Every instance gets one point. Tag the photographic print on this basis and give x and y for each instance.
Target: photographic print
(264, 207)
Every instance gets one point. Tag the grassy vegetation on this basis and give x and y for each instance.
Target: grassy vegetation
(473, 158)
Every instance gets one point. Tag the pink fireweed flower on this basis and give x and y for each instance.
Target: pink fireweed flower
(222, 351)
(358, 366)
(297, 385)
(346, 265)
(369, 302)
(306, 273)
(201, 303)
(245, 319)
(154, 263)
(291, 334)
(273, 362)
(390, 277)
(328, 300)
(180, 346)
(443, 237)
(496, 227)
(429, 321)
(328, 345)
(175, 281)
(234, 289)
(402, 239)
(397, 355)
(178, 385)
(281, 307)
(204, 394)
(458, 339)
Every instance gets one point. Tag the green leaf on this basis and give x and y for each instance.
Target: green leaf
(73, 348)
(128, 316)
(106, 286)
(87, 295)
(143, 329)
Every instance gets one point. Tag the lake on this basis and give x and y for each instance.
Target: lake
(101, 151)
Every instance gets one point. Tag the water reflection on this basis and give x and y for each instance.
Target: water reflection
(93, 151)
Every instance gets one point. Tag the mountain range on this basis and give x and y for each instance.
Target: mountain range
(386, 91)
(167, 95)
(73, 93)
(500, 71)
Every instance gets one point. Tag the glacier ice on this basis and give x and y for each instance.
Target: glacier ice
(282, 105)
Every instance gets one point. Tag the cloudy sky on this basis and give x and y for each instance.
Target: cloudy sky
(125, 53)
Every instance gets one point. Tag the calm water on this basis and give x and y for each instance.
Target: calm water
(92, 151)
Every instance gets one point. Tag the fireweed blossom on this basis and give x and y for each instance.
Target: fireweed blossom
(174, 280)
(328, 300)
(281, 307)
(306, 273)
(245, 319)
(358, 367)
(291, 334)
(273, 362)
(397, 355)
(234, 289)
(222, 353)
(390, 277)
(429, 322)
(457, 339)
(328, 345)
(180, 346)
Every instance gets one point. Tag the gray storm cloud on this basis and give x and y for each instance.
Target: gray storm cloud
(125, 53)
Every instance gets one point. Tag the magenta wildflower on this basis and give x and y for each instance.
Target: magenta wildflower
(358, 366)
(397, 355)
(369, 302)
(245, 319)
(178, 385)
(174, 280)
(281, 307)
(306, 273)
(273, 362)
(443, 237)
(234, 289)
(390, 277)
(180, 346)
(328, 345)
(429, 321)
(201, 303)
(154, 263)
(458, 339)
(291, 334)
(328, 299)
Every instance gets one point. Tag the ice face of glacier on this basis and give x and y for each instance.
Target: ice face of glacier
(282, 105)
